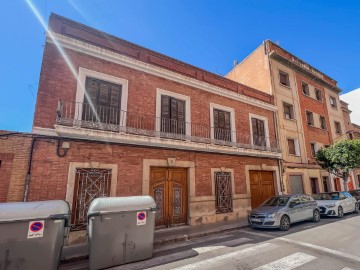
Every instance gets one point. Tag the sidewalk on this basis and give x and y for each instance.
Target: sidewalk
(164, 236)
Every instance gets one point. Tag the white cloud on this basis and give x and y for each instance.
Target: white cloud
(353, 98)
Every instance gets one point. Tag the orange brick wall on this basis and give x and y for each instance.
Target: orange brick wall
(50, 172)
(14, 156)
(57, 82)
(313, 134)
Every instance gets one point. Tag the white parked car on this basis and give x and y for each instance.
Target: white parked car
(336, 203)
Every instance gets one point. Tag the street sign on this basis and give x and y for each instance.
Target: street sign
(141, 218)
(36, 229)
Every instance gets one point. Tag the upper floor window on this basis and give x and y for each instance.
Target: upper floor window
(314, 149)
(309, 118)
(322, 122)
(284, 78)
(293, 147)
(172, 115)
(333, 103)
(337, 127)
(318, 95)
(288, 111)
(102, 102)
(258, 132)
(222, 125)
(305, 89)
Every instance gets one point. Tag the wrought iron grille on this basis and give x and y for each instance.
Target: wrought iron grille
(223, 192)
(90, 184)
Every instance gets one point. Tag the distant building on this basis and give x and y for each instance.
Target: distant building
(309, 113)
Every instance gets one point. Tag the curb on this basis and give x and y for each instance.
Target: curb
(185, 237)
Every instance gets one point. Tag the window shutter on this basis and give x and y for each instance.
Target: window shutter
(291, 145)
(181, 116)
(165, 102)
(227, 120)
(216, 118)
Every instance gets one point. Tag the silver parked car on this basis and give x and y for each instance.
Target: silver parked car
(283, 210)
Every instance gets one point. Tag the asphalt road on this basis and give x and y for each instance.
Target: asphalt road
(331, 244)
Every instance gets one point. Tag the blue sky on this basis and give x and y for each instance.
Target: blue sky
(208, 34)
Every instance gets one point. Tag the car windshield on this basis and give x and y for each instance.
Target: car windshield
(327, 196)
(276, 201)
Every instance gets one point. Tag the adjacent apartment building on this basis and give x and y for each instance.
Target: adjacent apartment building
(309, 113)
(123, 120)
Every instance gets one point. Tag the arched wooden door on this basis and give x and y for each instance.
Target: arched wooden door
(168, 187)
(261, 186)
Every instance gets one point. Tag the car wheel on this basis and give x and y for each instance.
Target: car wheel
(356, 208)
(316, 216)
(340, 212)
(284, 223)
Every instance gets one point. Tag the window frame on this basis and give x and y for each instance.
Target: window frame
(285, 104)
(316, 96)
(162, 92)
(338, 131)
(316, 185)
(232, 120)
(80, 90)
(308, 88)
(266, 127)
(296, 146)
(231, 193)
(312, 117)
(321, 122)
(333, 102)
(287, 78)
(316, 148)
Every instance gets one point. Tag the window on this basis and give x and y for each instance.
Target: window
(222, 125)
(322, 122)
(313, 184)
(288, 111)
(314, 149)
(172, 115)
(350, 137)
(291, 145)
(284, 78)
(305, 89)
(258, 130)
(102, 102)
(318, 94)
(309, 118)
(296, 184)
(337, 128)
(223, 203)
(333, 102)
(325, 184)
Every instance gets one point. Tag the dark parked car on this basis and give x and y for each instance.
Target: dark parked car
(283, 210)
(355, 193)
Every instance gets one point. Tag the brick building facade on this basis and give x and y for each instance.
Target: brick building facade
(117, 119)
(309, 115)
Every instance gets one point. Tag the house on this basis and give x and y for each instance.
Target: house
(117, 119)
(309, 115)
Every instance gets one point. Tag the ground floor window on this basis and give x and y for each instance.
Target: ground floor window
(325, 184)
(89, 185)
(314, 186)
(296, 184)
(223, 202)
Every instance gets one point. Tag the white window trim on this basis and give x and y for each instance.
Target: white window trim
(159, 93)
(232, 119)
(80, 91)
(297, 147)
(266, 128)
(316, 148)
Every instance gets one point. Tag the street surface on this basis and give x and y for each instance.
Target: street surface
(331, 244)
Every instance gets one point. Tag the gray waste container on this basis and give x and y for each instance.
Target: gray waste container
(120, 230)
(32, 234)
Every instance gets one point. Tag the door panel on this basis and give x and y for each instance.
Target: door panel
(261, 186)
(169, 190)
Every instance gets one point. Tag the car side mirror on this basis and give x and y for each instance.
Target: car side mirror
(292, 204)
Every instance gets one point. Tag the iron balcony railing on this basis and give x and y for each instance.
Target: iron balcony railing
(84, 115)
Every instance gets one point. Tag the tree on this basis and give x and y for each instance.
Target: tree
(340, 158)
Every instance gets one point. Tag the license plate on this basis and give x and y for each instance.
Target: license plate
(256, 219)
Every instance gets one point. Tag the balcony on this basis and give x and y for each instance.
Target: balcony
(75, 116)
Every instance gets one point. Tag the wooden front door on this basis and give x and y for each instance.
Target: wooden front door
(261, 186)
(169, 189)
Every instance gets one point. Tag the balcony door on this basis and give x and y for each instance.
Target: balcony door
(102, 104)
(172, 117)
(258, 130)
(168, 187)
